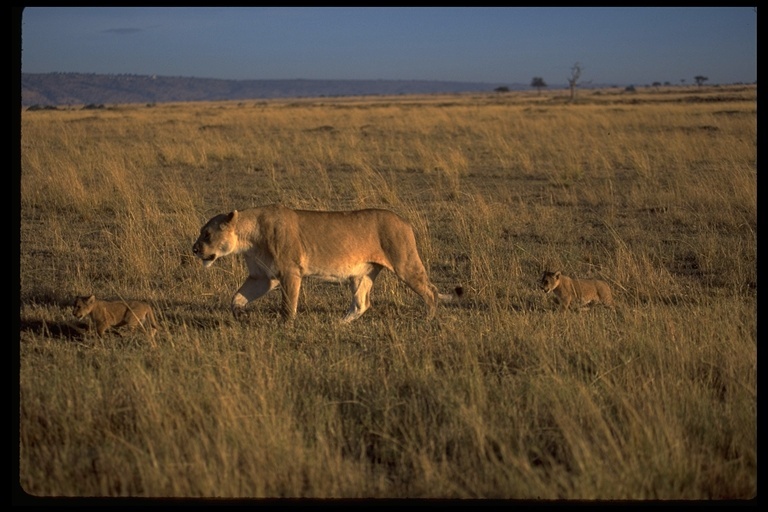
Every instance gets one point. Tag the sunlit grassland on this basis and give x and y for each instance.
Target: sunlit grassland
(502, 396)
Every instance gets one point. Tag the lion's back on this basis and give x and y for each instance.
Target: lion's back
(138, 307)
(356, 233)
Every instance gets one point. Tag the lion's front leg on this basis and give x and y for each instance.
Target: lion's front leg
(291, 285)
(253, 288)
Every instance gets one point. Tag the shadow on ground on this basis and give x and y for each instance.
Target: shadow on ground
(61, 330)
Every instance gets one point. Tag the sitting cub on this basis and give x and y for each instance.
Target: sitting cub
(579, 292)
(115, 314)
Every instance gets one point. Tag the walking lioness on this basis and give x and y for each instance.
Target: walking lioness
(282, 246)
(115, 314)
(579, 292)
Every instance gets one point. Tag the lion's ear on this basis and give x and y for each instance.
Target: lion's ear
(228, 223)
(557, 274)
(92, 298)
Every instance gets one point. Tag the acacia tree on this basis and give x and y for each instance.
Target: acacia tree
(573, 80)
(538, 83)
(700, 79)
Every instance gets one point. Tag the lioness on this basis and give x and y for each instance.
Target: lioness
(107, 314)
(580, 292)
(282, 246)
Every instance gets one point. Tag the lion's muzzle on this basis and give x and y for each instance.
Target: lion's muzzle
(207, 260)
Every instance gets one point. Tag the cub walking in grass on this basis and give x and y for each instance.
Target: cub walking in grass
(106, 314)
(579, 292)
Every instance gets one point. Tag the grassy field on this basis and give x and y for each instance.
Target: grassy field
(501, 396)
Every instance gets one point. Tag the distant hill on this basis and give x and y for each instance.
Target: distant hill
(54, 89)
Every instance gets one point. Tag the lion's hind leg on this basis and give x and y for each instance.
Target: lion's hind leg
(426, 290)
(135, 318)
(148, 323)
(606, 297)
(153, 325)
(410, 269)
(361, 293)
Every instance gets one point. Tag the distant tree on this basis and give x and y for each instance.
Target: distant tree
(656, 84)
(700, 80)
(41, 107)
(573, 80)
(538, 83)
(682, 81)
(503, 88)
(630, 88)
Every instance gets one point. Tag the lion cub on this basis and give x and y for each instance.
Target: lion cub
(107, 314)
(579, 292)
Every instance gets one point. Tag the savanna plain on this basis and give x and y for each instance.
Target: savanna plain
(500, 396)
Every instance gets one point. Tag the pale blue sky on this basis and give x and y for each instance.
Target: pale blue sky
(615, 45)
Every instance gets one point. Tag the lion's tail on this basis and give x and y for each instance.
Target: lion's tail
(458, 292)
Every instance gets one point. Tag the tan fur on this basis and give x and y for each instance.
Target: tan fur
(105, 314)
(283, 246)
(577, 292)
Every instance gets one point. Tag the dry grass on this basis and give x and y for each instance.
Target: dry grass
(501, 397)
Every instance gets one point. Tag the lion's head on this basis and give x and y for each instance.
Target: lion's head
(83, 306)
(217, 238)
(549, 281)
